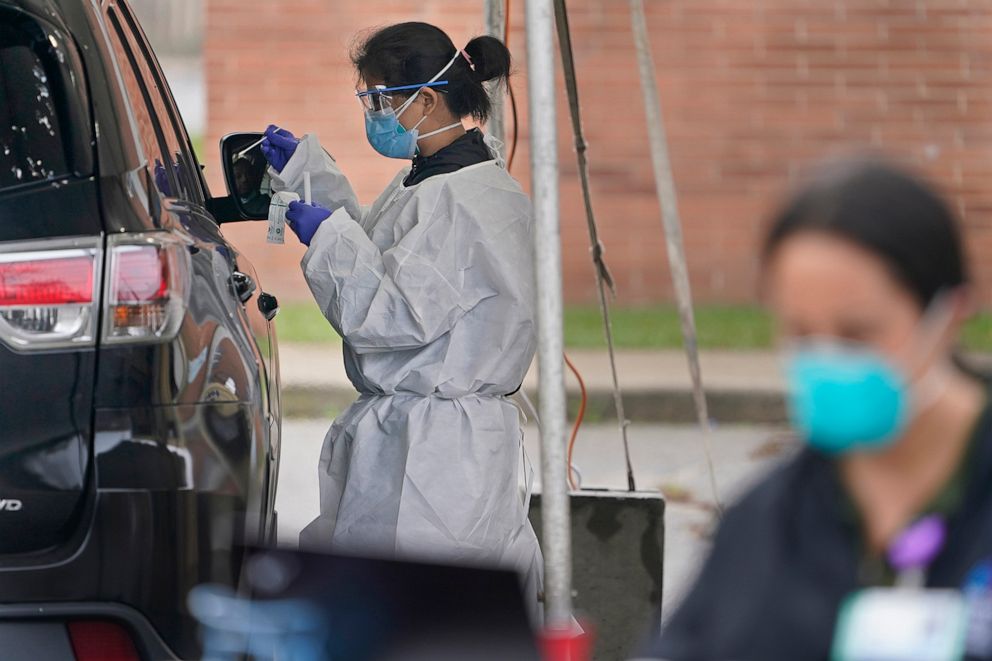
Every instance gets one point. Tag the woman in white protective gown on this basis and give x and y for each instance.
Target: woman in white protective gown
(432, 291)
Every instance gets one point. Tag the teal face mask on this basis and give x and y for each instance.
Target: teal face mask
(843, 398)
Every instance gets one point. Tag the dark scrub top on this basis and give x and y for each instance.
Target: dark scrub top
(467, 150)
(791, 550)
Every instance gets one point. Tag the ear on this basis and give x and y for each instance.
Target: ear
(430, 100)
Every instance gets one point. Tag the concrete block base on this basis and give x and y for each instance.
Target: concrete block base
(618, 549)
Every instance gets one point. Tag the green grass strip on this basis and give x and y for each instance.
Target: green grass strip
(736, 328)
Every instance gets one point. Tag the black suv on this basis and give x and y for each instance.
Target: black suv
(139, 405)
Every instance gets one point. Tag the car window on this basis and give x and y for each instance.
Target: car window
(175, 130)
(161, 164)
(32, 136)
(184, 168)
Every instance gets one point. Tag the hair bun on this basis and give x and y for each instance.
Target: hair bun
(490, 59)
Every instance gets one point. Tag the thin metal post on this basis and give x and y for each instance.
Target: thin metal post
(664, 181)
(496, 27)
(557, 540)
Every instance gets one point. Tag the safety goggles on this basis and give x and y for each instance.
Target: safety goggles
(381, 97)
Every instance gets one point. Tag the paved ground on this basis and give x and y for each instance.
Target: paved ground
(741, 387)
(320, 365)
(670, 458)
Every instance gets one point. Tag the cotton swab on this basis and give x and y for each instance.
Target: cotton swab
(249, 148)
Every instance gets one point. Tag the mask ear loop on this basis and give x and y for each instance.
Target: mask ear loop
(406, 104)
(928, 386)
(936, 319)
(437, 76)
(417, 125)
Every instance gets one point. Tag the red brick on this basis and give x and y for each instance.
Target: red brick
(752, 92)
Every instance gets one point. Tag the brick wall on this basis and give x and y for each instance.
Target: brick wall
(753, 90)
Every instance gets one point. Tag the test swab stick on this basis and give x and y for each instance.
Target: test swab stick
(249, 148)
(306, 187)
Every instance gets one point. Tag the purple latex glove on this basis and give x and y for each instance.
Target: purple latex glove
(162, 179)
(278, 146)
(304, 219)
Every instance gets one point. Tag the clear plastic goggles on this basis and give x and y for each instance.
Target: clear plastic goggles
(381, 97)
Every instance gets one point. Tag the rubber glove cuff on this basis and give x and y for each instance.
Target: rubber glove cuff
(304, 219)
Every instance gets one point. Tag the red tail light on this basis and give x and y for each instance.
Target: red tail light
(147, 289)
(46, 280)
(141, 275)
(100, 640)
(48, 292)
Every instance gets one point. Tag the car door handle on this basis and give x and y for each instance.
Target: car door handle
(244, 286)
(268, 305)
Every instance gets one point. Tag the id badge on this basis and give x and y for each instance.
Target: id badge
(901, 624)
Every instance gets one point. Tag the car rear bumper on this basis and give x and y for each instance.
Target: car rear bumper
(176, 492)
(142, 551)
(30, 632)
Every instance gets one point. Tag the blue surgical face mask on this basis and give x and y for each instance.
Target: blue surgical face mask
(388, 137)
(845, 397)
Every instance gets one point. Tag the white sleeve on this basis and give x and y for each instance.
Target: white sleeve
(405, 297)
(328, 185)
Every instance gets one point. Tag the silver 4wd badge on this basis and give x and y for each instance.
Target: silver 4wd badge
(10, 505)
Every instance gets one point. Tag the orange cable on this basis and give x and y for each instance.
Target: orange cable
(506, 23)
(509, 88)
(578, 418)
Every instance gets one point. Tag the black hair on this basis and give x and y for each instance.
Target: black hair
(411, 53)
(888, 211)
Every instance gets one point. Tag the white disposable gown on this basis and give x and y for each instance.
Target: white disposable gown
(432, 291)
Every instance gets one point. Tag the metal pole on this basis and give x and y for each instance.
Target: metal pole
(496, 27)
(547, 253)
(664, 181)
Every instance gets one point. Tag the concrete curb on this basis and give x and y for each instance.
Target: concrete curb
(673, 406)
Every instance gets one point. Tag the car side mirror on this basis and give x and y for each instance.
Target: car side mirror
(247, 179)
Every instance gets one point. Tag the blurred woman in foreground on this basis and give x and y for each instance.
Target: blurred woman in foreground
(843, 550)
